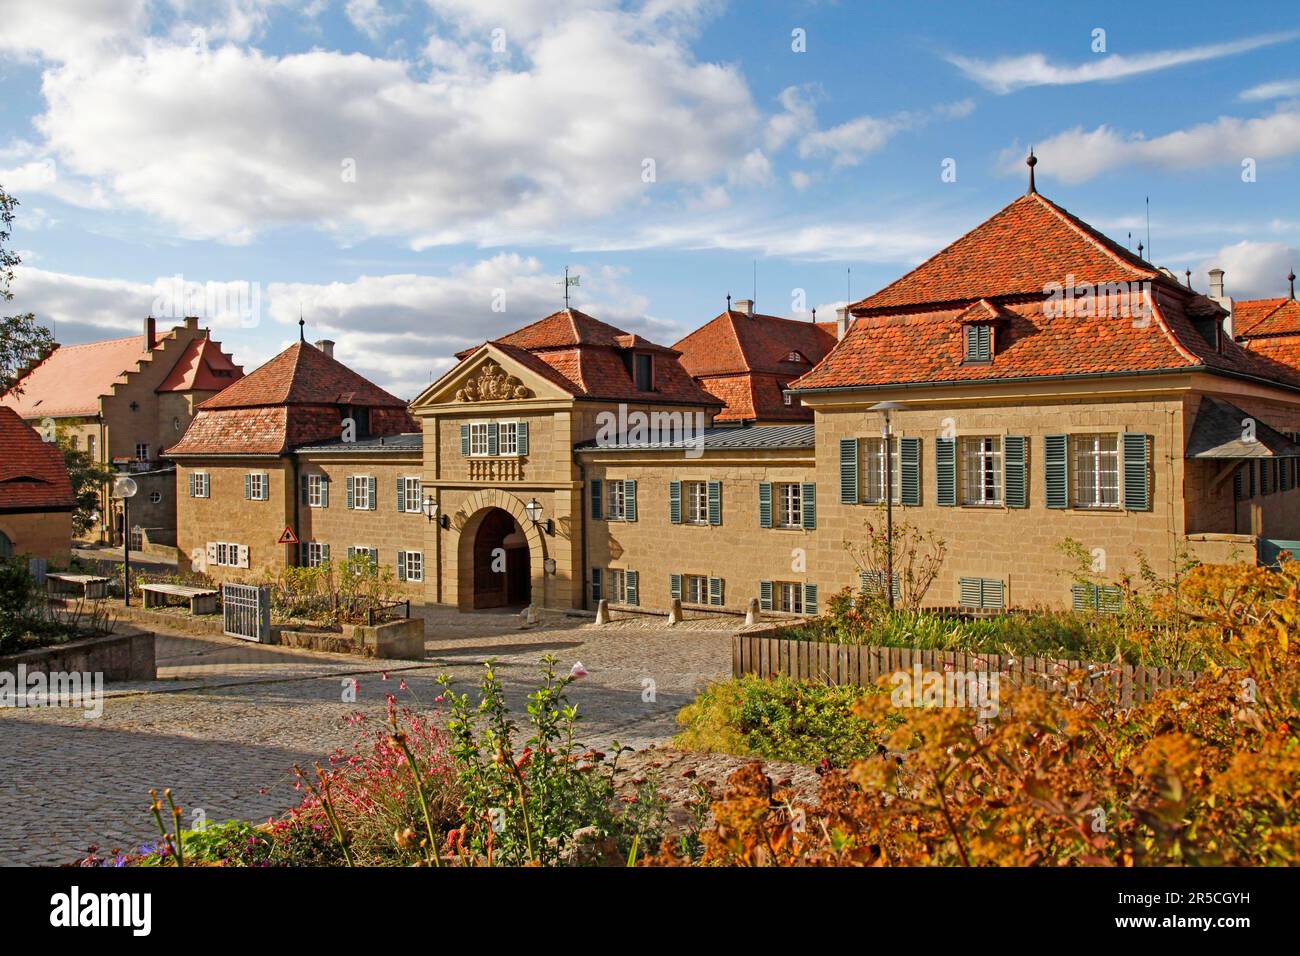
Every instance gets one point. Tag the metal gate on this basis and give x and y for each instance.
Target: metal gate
(247, 611)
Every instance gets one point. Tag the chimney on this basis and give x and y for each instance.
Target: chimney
(192, 323)
(1216, 295)
(326, 346)
(150, 334)
(745, 306)
(842, 322)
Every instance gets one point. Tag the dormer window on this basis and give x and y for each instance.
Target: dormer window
(643, 371)
(795, 357)
(979, 343)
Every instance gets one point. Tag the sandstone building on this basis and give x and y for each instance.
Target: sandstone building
(36, 500)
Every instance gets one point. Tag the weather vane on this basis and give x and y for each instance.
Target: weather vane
(569, 281)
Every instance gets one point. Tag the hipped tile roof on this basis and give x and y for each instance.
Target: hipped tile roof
(911, 331)
(33, 475)
(303, 375)
(202, 367)
(1256, 318)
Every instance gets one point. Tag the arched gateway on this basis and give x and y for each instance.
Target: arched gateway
(499, 555)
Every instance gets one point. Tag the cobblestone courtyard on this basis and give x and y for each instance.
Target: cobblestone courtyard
(227, 720)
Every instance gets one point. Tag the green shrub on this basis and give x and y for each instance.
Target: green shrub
(780, 719)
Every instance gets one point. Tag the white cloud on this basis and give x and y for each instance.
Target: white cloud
(1252, 270)
(1078, 155)
(370, 18)
(1277, 90)
(1006, 74)
(229, 141)
(75, 29)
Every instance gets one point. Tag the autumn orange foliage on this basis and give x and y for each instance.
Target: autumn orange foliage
(1202, 775)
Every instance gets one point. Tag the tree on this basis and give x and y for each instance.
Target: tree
(89, 477)
(23, 340)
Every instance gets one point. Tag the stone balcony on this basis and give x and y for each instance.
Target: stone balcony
(496, 469)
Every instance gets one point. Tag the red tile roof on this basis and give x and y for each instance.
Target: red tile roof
(1001, 271)
(1252, 318)
(303, 375)
(296, 398)
(744, 360)
(33, 476)
(1282, 349)
(202, 367)
(1020, 250)
(72, 378)
(585, 357)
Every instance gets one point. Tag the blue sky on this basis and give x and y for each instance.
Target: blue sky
(397, 168)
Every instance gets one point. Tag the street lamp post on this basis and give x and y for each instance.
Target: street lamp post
(886, 410)
(124, 488)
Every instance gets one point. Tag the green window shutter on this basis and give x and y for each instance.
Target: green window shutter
(629, 500)
(848, 471)
(325, 552)
(970, 592)
(715, 502)
(324, 491)
(765, 595)
(464, 440)
(352, 498)
(521, 433)
(248, 487)
(401, 565)
(1265, 485)
(596, 590)
(351, 553)
(675, 586)
(493, 438)
(675, 502)
(1137, 472)
(401, 494)
(633, 587)
(810, 599)
(909, 471)
(191, 484)
(1250, 483)
(597, 488)
(1016, 485)
(945, 471)
(374, 556)
(979, 343)
(715, 592)
(1238, 485)
(808, 498)
(1081, 596)
(1109, 599)
(1056, 470)
(374, 492)
(992, 594)
(765, 504)
(303, 488)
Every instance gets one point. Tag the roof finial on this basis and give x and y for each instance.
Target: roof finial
(1031, 162)
(728, 301)
(1291, 279)
(814, 312)
(302, 325)
(1140, 248)
(1188, 273)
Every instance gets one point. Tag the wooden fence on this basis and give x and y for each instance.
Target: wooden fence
(758, 652)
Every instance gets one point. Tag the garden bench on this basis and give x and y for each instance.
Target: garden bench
(202, 600)
(91, 585)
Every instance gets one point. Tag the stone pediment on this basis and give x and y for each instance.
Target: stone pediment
(491, 383)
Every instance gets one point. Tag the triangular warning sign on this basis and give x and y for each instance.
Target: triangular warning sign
(287, 536)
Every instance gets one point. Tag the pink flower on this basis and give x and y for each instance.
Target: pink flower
(578, 670)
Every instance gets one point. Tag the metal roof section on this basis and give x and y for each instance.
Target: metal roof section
(1221, 431)
(392, 444)
(757, 438)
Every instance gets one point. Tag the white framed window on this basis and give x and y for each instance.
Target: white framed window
(258, 486)
(789, 597)
(615, 501)
(227, 554)
(362, 549)
(316, 492)
(697, 502)
(616, 586)
(981, 470)
(508, 438)
(788, 398)
(200, 484)
(141, 451)
(478, 439)
(414, 565)
(90, 446)
(695, 589)
(873, 470)
(363, 492)
(411, 494)
(314, 554)
(789, 506)
(1095, 468)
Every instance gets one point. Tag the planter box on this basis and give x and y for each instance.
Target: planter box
(393, 640)
(125, 655)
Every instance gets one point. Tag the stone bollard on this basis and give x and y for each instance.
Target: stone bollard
(751, 613)
(531, 614)
(675, 612)
(602, 612)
